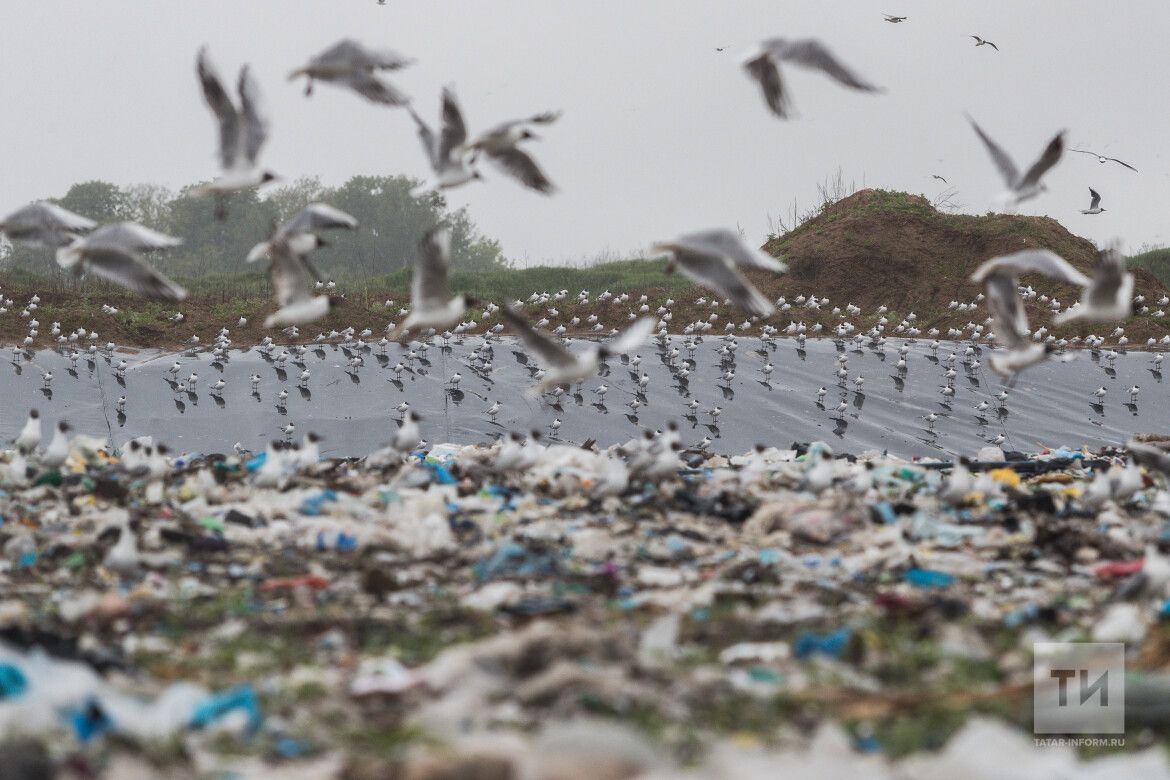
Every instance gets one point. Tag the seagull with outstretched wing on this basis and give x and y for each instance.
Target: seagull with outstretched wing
(762, 64)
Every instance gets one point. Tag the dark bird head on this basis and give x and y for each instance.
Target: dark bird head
(34, 414)
(268, 176)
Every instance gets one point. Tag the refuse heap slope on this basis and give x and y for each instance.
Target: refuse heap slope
(877, 247)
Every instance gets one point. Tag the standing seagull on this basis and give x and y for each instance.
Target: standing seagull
(46, 224)
(763, 65)
(1009, 320)
(1028, 185)
(1108, 297)
(1103, 159)
(980, 42)
(431, 304)
(501, 145)
(447, 152)
(242, 134)
(349, 64)
(1094, 203)
(113, 252)
(710, 259)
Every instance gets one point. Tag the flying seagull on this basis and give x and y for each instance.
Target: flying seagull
(1108, 297)
(936, 176)
(1103, 159)
(242, 133)
(763, 65)
(113, 252)
(1094, 203)
(301, 231)
(1009, 321)
(564, 367)
(289, 268)
(894, 19)
(446, 152)
(45, 223)
(710, 259)
(349, 64)
(1028, 185)
(501, 145)
(431, 304)
(980, 42)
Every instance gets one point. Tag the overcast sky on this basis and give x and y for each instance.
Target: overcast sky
(661, 133)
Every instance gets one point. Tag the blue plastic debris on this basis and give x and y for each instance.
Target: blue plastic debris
(90, 721)
(514, 560)
(241, 698)
(256, 462)
(832, 644)
(311, 506)
(928, 578)
(441, 473)
(12, 681)
(885, 511)
(27, 559)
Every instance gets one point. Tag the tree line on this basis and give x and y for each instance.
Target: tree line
(390, 220)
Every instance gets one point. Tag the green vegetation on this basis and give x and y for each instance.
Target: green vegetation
(1156, 261)
(391, 222)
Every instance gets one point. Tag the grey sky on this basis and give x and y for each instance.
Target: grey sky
(661, 133)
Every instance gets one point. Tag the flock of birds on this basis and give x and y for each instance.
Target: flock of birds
(714, 259)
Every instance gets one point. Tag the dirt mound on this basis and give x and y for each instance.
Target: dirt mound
(877, 247)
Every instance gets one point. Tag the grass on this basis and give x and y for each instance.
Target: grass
(1156, 261)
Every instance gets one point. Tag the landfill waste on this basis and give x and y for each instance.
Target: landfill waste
(785, 612)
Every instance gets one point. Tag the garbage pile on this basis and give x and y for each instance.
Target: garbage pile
(553, 611)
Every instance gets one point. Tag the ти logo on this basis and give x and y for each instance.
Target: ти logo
(1078, 688)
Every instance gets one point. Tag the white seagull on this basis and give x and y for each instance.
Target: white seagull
(431, 304)
(350, 64)
(46, 224)
(242, 133)
(763, 65)
(710, 259)
(446, 152)
(565, 367)
(1027, 185)
(1094, 203)
(114, 253)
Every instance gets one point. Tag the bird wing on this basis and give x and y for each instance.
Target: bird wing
(44, 222)
(992, 45)
(1048, 159)
(728, 243)
(291, 277)
(632, 337)
(1040, 261)
(548, 350)
(1007, 168)
(346, 53)
(316, 216)
(811, 53)
(1085, 151)
(386, 59)
(431, 265)
(764, 70)
(255, 128)
(221, 105)
(454, 131)
(1119, 162)
(129, 237)
(1094, 198)
(1008, 319)
(132, 272)
(375, 90)
(427, 137)
(1153, 458)
(719, 274)
(519, 165)
(1107, 279)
